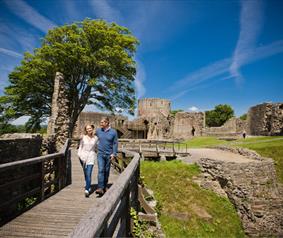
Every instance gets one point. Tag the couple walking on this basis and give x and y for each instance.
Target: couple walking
(106, 140)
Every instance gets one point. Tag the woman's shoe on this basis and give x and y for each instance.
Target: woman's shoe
(86, 193)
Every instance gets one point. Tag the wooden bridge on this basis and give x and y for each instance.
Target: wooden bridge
(161, 149)
(47, 192)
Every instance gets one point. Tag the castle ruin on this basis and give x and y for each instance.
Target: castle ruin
(265, 119)
(155, 121)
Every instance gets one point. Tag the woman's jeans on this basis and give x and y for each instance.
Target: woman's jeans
(87, 173)
(103, 170)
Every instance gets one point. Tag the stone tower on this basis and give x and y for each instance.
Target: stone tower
(152, 107)
(59, 122)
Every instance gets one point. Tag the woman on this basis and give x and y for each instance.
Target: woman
(87, 155)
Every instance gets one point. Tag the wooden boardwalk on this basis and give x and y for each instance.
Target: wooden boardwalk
(58, 215)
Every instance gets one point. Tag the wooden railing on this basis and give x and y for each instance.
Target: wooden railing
(111, 215)
(27, 182)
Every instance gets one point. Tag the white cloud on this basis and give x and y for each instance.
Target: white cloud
(31, 16)
(104, 10)
(221, 67)
(10, 53)
(250, 26)
(193, 109)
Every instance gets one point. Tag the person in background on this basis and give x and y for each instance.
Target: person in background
(107, 151)
(244, 134)
(87, 155)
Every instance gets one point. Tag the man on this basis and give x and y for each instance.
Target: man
(107, 151)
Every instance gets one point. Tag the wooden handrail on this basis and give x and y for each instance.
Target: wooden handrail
(30, 182)
(35, 160)
(95, 222)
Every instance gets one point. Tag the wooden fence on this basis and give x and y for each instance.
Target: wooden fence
(111, 215)
(25, 183)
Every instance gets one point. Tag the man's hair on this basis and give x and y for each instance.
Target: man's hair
(105, 119)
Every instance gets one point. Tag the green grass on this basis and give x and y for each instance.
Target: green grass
(199, 142)
(186, 209)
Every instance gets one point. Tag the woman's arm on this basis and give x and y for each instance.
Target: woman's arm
(81, 147)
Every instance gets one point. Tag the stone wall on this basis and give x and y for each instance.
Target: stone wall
(15, 148)
(265, 119)
(234, 126)
(252, 188)
(188, 123)
(150, 107)
(59, 121)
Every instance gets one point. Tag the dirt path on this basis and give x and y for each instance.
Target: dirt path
(215, 154)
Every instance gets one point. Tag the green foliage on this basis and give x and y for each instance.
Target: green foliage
(219, 115)
(179, 196)
(97, 61)
(9, 128)
(174, 112)
(27, 202)
(140, 228)
(244, 117)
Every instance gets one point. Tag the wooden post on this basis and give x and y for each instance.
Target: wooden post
(60, 173)
(42, 180)
(128, 215)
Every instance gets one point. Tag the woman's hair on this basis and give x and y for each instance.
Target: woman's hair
(92, 126)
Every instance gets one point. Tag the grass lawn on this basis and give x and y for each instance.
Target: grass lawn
(186, 209)
(199, 142)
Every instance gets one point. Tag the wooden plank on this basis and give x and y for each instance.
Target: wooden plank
(20, 181)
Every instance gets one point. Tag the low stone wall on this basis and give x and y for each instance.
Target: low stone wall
(13, 149)
(253, 189)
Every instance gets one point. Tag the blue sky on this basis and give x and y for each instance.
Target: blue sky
(196, 53)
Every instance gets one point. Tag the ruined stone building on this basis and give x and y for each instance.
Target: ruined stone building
(188, 124)
(265, 119)
(234, 126)
(154, 121)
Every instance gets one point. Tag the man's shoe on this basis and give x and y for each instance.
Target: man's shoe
(105, 190)
(99, 191)
(86, 193)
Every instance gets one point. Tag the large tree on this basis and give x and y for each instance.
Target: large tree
(97, 61)
(219, 115)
